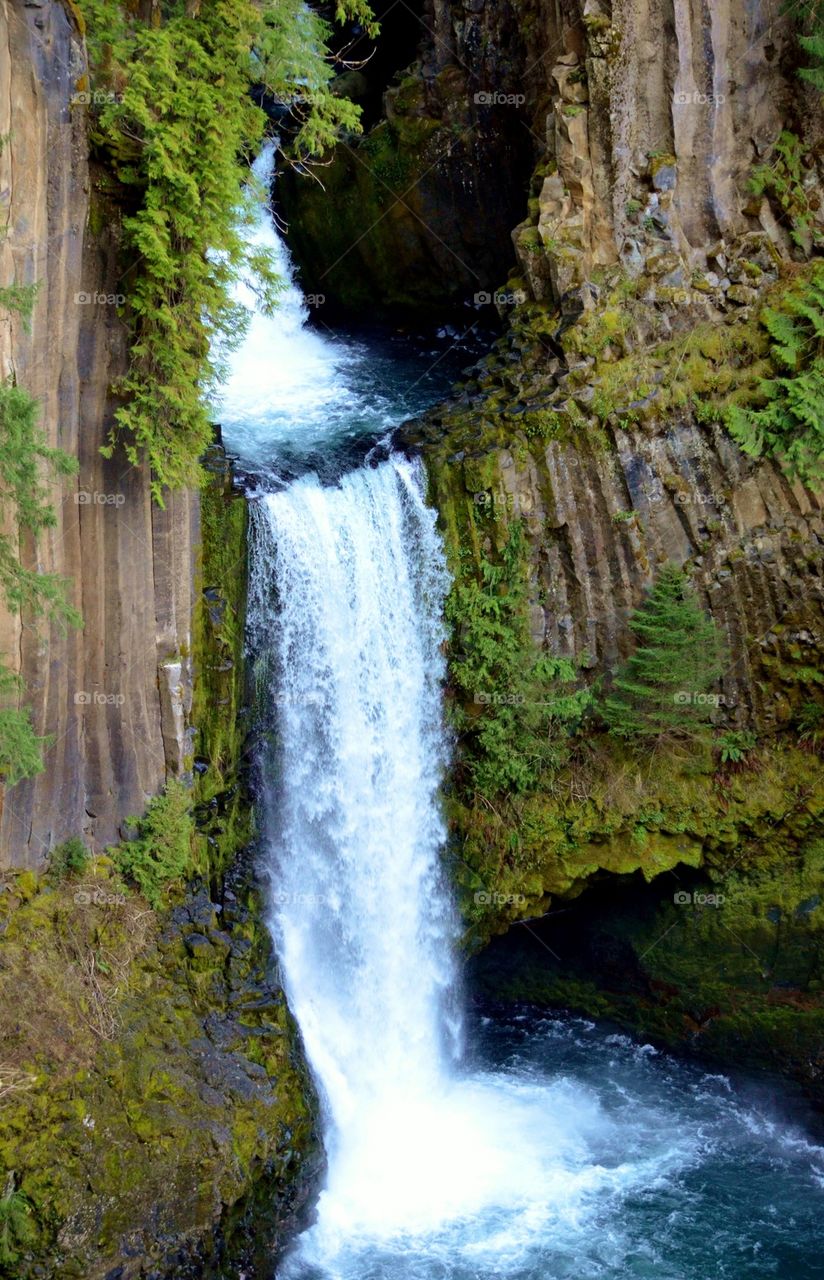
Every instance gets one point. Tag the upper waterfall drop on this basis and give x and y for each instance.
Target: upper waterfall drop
(284, 377)
(297, 397)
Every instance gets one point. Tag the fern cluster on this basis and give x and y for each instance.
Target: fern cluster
(782, 177)
(788, 424)
(517, 707)
(176, 126)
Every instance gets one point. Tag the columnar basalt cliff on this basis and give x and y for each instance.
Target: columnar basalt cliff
(645, 119)
(113, 696)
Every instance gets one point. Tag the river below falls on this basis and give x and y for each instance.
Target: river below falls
(461, 1146)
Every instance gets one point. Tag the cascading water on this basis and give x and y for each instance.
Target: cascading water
(297, 395)
(555, 1149)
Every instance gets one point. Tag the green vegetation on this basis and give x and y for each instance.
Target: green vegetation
(222, 808)
(19, 299)
(25, 508)
(161, 853)
(789, 423)
(24, 501)
(103, 1022)
(810, 725)
(735, 747)
(175, 125)
(16, 1230)
(69, 858)
(519, 707)
(662, 691)
(782, 178)
(809, 16)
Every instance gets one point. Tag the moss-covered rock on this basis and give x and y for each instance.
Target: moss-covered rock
(148, 1083)
(726, 964)
(602, 438)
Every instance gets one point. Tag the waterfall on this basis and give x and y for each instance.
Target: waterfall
(298, 397)
(351, 580)
(560, 1149)
(284, 378)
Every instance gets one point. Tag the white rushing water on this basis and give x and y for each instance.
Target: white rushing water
(568, 1152)
(284, 378)
(295, 391)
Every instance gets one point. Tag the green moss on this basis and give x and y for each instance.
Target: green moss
(158, 1126)
(222, 806)
(635, 816)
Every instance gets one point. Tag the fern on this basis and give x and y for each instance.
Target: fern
(789, 422)
(781, 177)
(518, 706)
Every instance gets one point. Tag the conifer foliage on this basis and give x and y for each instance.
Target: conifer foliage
(663, 690)
(25, 509)
(177, 124)
(518, 707)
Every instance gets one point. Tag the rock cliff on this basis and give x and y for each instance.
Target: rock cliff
(114, 696)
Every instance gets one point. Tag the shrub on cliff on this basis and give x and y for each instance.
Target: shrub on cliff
(161, 853)
(663, 691)
(25, 511)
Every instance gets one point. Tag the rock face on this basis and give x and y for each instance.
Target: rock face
(657, 114)
(644, 119)
(602, 515)
(597, 423)
(416, 215)
(173, 1085)
(114, 696)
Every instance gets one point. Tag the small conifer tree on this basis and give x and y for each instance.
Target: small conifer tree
(662, 691)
